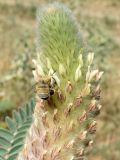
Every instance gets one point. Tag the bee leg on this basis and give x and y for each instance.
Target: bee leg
(41, 102)
(51, 92)
(51, 103)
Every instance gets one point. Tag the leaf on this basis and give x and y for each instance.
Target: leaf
(11, 124)
(15, 149)
(17, 117)
(2, 151)
(5, 133)
(5, 143)
(23, 114)
(25, 126)
(12, 139)
(20, 134)
(17, 140)
(12, 157)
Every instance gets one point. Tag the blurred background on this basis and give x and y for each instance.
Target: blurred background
(100, 25)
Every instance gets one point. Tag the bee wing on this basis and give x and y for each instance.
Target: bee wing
(33, 87)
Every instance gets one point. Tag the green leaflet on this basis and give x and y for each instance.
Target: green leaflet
(2, 151)
(16, 116)
(12, 157)
(20, 134)
(15, 149)
(6, 134)
(11, 124)
(23, 114)
(11, 139)
(5, 143)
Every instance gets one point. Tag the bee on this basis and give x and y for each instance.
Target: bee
(45, 87)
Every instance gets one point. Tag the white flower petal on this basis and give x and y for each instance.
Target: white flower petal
(80, 60)
(90, 58)
(78, 73)
(62, 70)
(93, 73)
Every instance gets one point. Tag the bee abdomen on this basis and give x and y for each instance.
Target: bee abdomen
(43, 96)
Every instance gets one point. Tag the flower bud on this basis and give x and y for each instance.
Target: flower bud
(78, 73)
(57, 79)
(62, 70)
(40, 70)
(38, 67)
(51, 71)
(69, 87)
(99, 75)
(90, 58)
(48, 63)
(80, 60)
(36, 76)
(92, 74)
(86, 90)
(88, 74)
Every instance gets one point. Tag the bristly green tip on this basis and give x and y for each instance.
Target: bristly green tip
(56, 41)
